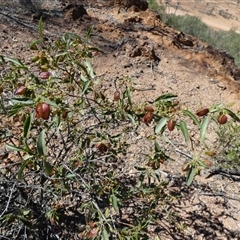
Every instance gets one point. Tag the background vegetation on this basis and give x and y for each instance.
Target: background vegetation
(226, 40)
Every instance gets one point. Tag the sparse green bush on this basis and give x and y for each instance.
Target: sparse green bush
(71, 138)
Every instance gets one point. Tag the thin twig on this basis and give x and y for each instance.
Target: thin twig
(9, 199)
(220, 195)
(92, 200)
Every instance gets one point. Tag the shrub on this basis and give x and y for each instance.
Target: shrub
(71, 139)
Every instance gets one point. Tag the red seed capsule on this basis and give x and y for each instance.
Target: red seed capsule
(148, 108)
(20, 91)
(171, 125)
(148, 117)
(64, 114)
(222, 119)
(43, 110)
(202, 112)
(116, 96)
(44, 75)
(102, 147)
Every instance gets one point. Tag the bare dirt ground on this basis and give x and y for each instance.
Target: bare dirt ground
(137, 44)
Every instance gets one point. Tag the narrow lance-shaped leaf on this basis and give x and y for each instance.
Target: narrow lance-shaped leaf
(166, 97)
(191, 175)
(193, 117)
(89, 32)
(27, 125)
(21, 169)
(127, 91)
(2, 106)
(40, 27)
(14, 148)
(86, 87)
(232, 114)
(161, 124)
(41, 143)
(24, 101)
(48, 168)
(184, 130)
(89, 69)
(50, 102)
(129, 116)
(105, 234)
(115, 203)
(203, 128)
(33, 45)
(16, 62)
(157, 147)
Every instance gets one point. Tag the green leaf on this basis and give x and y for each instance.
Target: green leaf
(115, 203)
(14, 148)
(28, 157)
(105, 234)
(193, 117)
(20, 171)
(24, 101)
(48, 168)
(140, 168)
(27, 125)
(89, 69)
(16, 62)
(191, 175)
(26, 212)
(33, 45)
(129, 96)
(2, 106)
(86, 87)
(131, 118)
(50, 102)
(25, 221)
(41, 144)
(83, 68)
(15, 109)
(166, 97)
(157, 147)
(184, 130)
(232, 114)
(40, 27)
(161, 124)
(89, 32)
(70, 176)
(203, 128)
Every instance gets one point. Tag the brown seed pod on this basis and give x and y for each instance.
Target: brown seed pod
(171, 125)
(44, 75)
(210, 153)
(208, 163)
(116, 96)
(1, 89)
(202, 112)
(186, 166)
(147, 118)
(43, 110)
(222, 119)
(20, 91)
(91, 224)
(149, 108)
(102, 147)
(64, 114)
